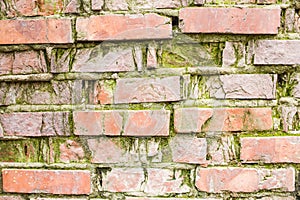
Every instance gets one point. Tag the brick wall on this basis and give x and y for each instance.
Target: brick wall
(149, 100)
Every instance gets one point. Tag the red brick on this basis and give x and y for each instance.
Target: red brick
(277, 52)
(103, 92)
(46, 181)
(127, 123)
(128, 27)
(188, 120)
(137, 90)
(71, 151)
(111, 150)
(132, 180)
(216, 180)
(188, 149)
(25, 31)
(271, 149)
(166, 181)
(230, 20)
(35, 124)
(29, 62)
(6, 63)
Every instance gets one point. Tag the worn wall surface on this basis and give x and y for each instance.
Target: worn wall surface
(149, 100)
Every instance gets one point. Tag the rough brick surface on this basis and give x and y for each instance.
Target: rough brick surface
(46, 181)
(11, 198)
(277, 52)
(132, 179)
(187, 120)
(136, 90)
(128, 27)
(54, 92)
(188, 149)
(104, 59)
(230, 20)
(126, 123)
(234, 54)
(35, 124)
(242, 86)
(166, 181)
(296, 88)
(32, 8)
(24, 31)
(71, 151)
(216, 180)
(271, 149)
(110, 150)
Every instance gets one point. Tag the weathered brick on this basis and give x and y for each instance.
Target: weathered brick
(296, 88)
(234, 54)
(60, 60)
(166, 181)
(103, 92)
(54, 92)
(188, 149)
(149, 198)
(11, 197)
(22, 151)
(29, 62)
(216, 180)
(111, 150)
(187, 120)
(32, 8)
(115, 5)
(43, 198)
(104, 59)
(46, 181)
(132, 180)
(25, 31)
(6, 63)
(221, 150)
(270, 149)
(137, 90)
(128, 27)
(35, 124)
(277, 52)
(230, 20)
(71, 151)
(242, 86)
(126, 123)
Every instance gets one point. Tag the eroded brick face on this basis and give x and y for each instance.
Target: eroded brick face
(149, 99)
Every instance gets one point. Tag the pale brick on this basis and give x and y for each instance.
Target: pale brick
(217, 180)
(128, 27)
(270, 149)
(104, 59)
(137, 90)
(127, 123)
(71, 151)
(296, 88)
(115, 5)
(47, 181)
(242, 86)
(35, 124)
(234, 54)
(166, 181)
(111, 150)
(25, 31)
(11, 198)
(132, 180)
(188, 149)
(230, 20)
(189, 120)
(277, 52)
